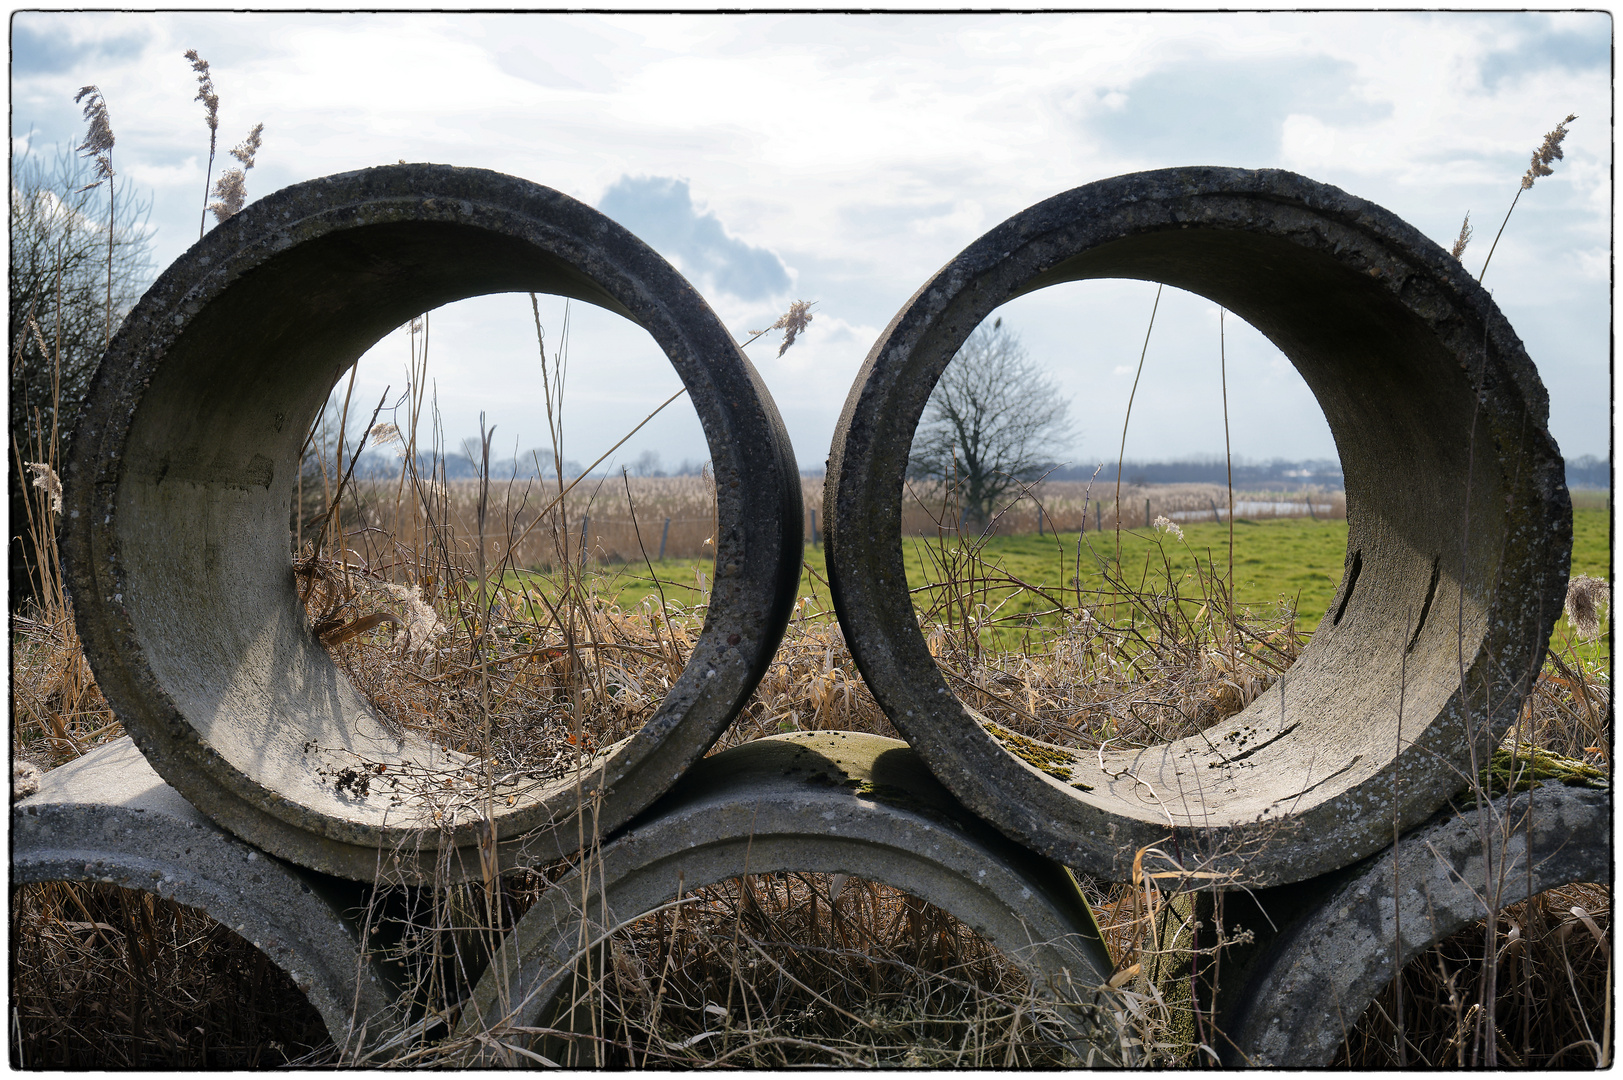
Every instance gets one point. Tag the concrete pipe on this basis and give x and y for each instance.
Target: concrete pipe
(1294, 1005)
(1459, 528)
(176, 548)
(107, 817)
(822, 802)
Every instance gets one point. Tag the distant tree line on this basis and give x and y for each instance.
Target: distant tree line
(1280, 474)
(381, 464)
(1589, 471)
(1277, 474)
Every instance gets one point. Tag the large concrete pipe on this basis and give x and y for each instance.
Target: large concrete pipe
(822, 802)
(107, 817)
(176, 507)
(1294, 1003)
(1459, 527)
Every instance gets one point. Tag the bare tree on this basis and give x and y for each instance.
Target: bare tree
(59, 309)
(993, 422)
(648, 464)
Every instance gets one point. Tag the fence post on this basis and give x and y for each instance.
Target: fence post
(1039, 519)
(1098, 516)
(663, 536)
(1310, 512)
(1146, 513)
(1213, 504)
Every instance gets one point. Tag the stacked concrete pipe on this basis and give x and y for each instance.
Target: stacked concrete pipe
(821, 802)
(107, 817)
(1325, 948)
(1459, 529)
(176, 553)
(175, 542)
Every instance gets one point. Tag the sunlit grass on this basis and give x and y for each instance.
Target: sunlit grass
(1283, 562)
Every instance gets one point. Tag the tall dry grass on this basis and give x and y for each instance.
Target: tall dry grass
(110, 978)
(788, 970)
(611, 519)
(1552, 1005)
(535, 673)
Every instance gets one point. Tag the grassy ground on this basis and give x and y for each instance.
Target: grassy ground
(1274, 560)
(1295, 562)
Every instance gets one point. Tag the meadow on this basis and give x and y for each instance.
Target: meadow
(620, 519)
(1281, 564)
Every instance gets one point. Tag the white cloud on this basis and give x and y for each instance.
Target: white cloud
(1307, 142)
(863, 152)
(1595, 263)
(660, 210)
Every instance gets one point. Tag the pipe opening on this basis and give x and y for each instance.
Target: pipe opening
(188, 601)
(1385, 330)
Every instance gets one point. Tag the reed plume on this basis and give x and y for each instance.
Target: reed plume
(231, 190)
(98, 146)
(1458, 250)
(1548, 151)
(1585, 595)
(211, 117)
(45, 479)
(792, 322)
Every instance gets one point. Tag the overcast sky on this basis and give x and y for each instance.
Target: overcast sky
(844, 159)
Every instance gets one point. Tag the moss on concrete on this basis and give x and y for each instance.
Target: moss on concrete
(1524, 767)
(1050, 759)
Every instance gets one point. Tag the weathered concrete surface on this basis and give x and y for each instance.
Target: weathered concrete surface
(1293, 1005)
(108, 817)
(1460, 526)
(176, 506)
(826, 802)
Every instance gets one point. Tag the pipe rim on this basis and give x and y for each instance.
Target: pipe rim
(69, 832)
(383, 241)
(1295, 1006)
(1297, 259)
(815, 802)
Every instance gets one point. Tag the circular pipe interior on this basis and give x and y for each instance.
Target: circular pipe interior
(176, 546)
(1459, 527)
(819, 802)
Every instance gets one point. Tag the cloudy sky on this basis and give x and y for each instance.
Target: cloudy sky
(845, 158)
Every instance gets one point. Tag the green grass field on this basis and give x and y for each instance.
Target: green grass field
(1284, 561)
